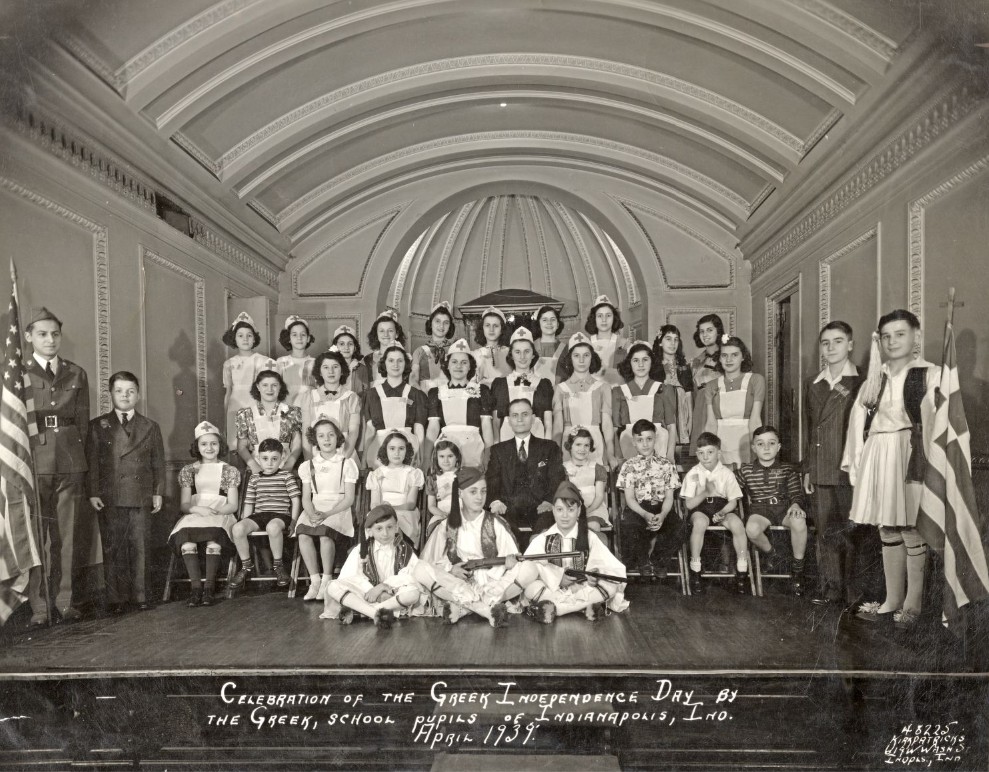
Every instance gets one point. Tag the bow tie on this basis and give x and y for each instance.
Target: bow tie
(457, 386)
(330, 393)
(522, 380)
(438, 352)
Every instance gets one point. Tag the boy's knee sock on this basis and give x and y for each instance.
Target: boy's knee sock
(916, 551)
(212, 566)
(191, 560)
(797, 567)
(894, 569)
(247, 564)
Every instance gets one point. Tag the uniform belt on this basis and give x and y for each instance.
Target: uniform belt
(54, 422)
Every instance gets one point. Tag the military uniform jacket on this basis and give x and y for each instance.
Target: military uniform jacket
(61, 450)
(126, 467)
(826, 415)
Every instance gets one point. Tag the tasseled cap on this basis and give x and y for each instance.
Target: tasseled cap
(567, 491)
(381, 512)
(468, 475)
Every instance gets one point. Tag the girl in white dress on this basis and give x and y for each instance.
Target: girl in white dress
(329, 481)
(522, 383)
(240, 370)
(549, 347)
(398, 483)
(589, 477)
(603, 323)
(296, 366)
(332, 398)
(346, 342)
(734, 407)
(385, 332)
(584, 399)
(209, 501)
(439, 482)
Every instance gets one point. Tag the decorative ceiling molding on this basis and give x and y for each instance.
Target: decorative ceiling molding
(101, 268)
(199, 155)
(411, 254)
(219, 246)
(826, 124)
(245, 182)
(297, 208)
(175, 38)
(727, 314)
(613, 257)
(916, 232)
(563, 214)
(84, 53)
(87, 155)
(580, 64)
(388, 216)
(878, 43)
(633, 290)
(938, 117)
(516, 200)
(629, 205)
(541, 241)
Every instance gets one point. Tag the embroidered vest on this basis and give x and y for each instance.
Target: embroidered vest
(403, 553)
(914, 388)
(554, 543)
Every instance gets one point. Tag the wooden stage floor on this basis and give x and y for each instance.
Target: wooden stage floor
(179, 688)
(662, 631)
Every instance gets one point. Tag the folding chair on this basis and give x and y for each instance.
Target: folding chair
(729, 574)
(171, 579)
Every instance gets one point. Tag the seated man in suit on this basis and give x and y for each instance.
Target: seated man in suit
(523, 473)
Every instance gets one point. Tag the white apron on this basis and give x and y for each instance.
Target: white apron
(393, 410)
(327, 492)
(522, 392)
(641, 408)
(267, 427)
(546, 366)
(208, 479)
(394, 483)
(583, 478)
(581, 405)
(330, 408)
(456, 429)
(606, 350)
(733, 426)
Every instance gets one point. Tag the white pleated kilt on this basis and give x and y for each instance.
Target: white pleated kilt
(882, 496)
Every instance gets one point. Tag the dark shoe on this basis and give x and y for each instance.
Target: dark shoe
(742, 582)
(38, 620)
(797, 584)
(696, 583)
(69, 615)
(544, 611)
(195, 598)
(647, 574)
(208, 597)
(240, 579)
(384, 618)
(660, 569)
(499, 615)
(282, 578)
(144, 605)
(596, 612)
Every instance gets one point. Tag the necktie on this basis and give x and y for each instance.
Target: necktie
(124, 421)
(48, 370)
(523, 456)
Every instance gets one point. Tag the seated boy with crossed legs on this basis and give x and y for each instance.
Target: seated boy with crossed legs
(711, 493)
(376, 579)
(775, 497)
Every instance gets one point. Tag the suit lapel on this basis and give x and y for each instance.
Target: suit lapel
(139, 427)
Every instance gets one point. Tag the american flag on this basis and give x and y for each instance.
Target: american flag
(18, 548)
(949, 519)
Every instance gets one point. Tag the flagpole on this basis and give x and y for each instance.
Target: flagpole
(39, 531)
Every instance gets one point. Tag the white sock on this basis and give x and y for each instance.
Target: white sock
(742, 566)
(695, 564)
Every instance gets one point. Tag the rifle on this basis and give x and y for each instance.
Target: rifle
(576, 573)
(471, 565)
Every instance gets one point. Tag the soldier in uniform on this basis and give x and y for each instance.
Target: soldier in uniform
(60, 391)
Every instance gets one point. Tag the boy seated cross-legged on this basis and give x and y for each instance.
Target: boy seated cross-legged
(376, 579)
(554, 592)
(471, 533)
(711, 494)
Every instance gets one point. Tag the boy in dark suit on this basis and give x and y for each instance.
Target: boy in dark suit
(524, 473)
(828, 400)
(60, 391)
(126, 482)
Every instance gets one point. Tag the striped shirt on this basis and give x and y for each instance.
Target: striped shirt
(777, 483)
(272, 492)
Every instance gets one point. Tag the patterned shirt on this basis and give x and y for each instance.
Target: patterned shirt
(272, 492)
(229, 476)
(650, 476)
(289, 422)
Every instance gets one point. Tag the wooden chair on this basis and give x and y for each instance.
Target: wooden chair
(171, 579)
(730, 573)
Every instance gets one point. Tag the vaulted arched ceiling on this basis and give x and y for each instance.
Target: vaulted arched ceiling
(296, 113)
